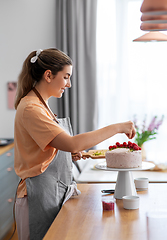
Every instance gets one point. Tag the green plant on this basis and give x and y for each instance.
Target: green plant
(143, 133)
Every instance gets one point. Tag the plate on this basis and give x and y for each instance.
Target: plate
(145, 166)
(4, 142)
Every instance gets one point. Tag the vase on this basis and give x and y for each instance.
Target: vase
(143, 152)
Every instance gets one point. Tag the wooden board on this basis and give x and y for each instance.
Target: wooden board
(95, 154)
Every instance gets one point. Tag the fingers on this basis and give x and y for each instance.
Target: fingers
(129, 135)
(77, 156)
(74, 158)
(83, 157)
(131, 131)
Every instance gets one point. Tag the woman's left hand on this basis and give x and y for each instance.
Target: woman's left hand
(77, 156)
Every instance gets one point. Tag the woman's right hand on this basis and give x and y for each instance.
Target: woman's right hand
(80, 142)
(128, 128)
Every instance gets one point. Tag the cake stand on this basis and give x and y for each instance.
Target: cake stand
(125, 185)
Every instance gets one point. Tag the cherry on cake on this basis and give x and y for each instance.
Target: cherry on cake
(126, 155)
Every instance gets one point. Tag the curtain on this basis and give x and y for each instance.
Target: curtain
(76, 36)
(133, 74)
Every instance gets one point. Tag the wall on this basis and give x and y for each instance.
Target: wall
(25, 25)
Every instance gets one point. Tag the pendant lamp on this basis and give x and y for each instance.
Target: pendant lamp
(153, 36)
(153, 5)
(154, 15)
(150, 18)
(153, 27)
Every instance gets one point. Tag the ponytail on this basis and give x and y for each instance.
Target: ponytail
(32, 71)
(25, 81)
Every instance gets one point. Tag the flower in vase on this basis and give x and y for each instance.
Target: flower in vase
(144, 133)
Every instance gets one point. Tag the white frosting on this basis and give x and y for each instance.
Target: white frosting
(123, 158)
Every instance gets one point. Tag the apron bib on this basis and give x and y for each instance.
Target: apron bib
(47, 191)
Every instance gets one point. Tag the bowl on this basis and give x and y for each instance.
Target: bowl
(141, 183)
(131, 202)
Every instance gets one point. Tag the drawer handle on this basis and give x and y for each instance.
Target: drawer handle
(9, 154)
(9, 169)
(10, 200)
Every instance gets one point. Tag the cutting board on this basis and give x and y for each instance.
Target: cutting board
(95, 154)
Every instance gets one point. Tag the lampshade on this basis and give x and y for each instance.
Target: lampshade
(153, 6)
(150, 18)
(153, 26)
(151, 37)
(154, 15)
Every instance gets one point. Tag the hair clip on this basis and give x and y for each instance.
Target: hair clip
(33, 59)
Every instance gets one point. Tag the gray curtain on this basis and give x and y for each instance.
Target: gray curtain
(76, 36)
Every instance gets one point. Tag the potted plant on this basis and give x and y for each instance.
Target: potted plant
(144, 133)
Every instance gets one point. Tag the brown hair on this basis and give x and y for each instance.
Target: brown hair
(49, 59)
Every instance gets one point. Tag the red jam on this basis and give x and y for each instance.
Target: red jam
(108, 205)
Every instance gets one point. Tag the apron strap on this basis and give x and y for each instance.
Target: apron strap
(44, 103)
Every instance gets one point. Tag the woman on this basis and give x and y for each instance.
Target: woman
(43, 144)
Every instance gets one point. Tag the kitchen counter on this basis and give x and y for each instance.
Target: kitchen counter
(6, 148)
(90, 174)
(82, 217)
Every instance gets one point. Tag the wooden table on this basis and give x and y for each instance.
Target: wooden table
(82, 217)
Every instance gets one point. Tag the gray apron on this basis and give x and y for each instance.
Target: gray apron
(46, 192)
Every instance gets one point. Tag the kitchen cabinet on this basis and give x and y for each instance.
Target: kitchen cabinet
(8, 185)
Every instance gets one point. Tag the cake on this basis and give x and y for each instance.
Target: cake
(126, 155)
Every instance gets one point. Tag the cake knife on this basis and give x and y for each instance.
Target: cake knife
(108, 191)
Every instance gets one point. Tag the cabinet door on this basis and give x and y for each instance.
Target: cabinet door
(8, 184)
(6, 211)
(6, 158)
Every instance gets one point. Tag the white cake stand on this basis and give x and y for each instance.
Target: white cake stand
(125, 185)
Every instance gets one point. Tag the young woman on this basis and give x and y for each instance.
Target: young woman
(43, 143)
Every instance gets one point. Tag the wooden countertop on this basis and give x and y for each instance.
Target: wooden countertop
(82, 217)
(6, 148)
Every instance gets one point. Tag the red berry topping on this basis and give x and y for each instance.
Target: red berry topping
(135, 147)
(132, 146)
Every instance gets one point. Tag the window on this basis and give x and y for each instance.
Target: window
(131, 76)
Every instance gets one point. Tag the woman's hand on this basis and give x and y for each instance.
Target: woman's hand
(128, 128)
(80, 142)
(77, 156)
